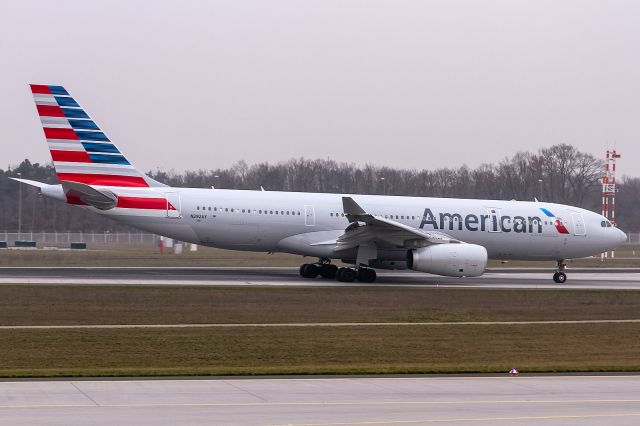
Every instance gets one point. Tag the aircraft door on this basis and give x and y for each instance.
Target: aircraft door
(309, 216)
(173, 204)
(579, 227)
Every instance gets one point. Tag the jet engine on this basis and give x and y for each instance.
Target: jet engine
(451, 260)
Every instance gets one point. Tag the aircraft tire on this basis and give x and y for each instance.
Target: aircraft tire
(346, 275)
(366, 275)
(309, 270)
(560, 277)
(328, 271)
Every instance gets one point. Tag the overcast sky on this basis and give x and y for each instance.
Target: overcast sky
(417, 84)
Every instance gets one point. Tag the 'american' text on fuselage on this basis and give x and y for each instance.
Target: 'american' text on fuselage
(483, 222)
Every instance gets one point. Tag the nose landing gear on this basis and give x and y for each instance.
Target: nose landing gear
(560, 277)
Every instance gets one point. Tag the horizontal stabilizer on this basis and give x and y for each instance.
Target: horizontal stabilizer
(31, 182)
(100, 199)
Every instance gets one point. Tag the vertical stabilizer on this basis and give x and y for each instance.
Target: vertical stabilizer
(80, 150)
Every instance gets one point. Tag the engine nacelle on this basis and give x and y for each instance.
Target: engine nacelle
(451, 260)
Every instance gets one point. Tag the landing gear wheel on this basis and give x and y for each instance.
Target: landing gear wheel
(328, 271)
(309, 270)
(560, 277)
(366, 275)
(346, 275)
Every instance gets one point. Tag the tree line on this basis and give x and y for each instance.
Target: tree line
(560, 173)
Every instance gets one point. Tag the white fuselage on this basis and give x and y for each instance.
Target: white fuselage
(303, 223)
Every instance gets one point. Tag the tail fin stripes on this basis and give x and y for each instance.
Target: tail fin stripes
(81, 152)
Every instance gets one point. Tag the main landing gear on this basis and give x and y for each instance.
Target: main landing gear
(362, 274)
(329, 271)
(560, 277)
(322, 268)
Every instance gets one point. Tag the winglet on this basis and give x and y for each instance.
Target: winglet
(352, 208)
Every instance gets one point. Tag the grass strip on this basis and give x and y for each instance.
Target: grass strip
(77, 305)
(322, 350)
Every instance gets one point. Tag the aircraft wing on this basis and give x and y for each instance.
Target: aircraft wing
(366, 229)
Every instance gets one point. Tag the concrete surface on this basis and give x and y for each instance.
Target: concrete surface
(549, 400)
(614, 279)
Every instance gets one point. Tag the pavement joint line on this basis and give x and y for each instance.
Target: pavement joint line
(248, 392)
(85, 394)
(322, 403)
(313, 324)
(381, 377)
(468, 419)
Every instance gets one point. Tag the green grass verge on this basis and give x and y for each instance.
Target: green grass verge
(323, 350)
(146, 256)
(312, 350)
(70, 304)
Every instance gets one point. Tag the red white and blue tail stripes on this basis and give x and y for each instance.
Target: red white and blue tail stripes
(81, 152)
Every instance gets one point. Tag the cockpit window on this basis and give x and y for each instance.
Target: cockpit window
(603, 224)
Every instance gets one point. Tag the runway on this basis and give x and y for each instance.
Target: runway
(590, 400)
(584, 278)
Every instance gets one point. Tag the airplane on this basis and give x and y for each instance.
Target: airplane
(442, 236)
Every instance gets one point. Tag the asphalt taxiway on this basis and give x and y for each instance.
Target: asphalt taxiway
(579, 278)
(589, 400)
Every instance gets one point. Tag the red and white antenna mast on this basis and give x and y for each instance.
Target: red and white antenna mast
(609, 188)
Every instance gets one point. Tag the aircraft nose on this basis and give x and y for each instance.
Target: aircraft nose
(620, 236)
